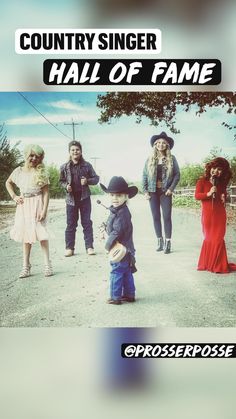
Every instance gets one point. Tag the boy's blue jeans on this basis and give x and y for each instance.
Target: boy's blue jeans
(121, 280)
(72, 216)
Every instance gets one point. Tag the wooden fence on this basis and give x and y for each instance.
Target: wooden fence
(231, 191)
(185, 191)
(233, 196)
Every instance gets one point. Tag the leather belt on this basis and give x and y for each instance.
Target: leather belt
(30, 195)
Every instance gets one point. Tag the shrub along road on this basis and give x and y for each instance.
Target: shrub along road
(170, 291)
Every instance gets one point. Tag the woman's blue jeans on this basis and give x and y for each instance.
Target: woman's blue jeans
(157, 202)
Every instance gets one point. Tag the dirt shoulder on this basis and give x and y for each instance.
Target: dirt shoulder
(170, 291)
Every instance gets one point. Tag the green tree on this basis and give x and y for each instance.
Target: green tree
(162, 107)
(96, 190)
(10, 158)
(233, 168)
(189, 174)
(215, 152)
(56, 190)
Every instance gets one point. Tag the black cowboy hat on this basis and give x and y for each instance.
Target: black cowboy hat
(118, 184)
(162, 136)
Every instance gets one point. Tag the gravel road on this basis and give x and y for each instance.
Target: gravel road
(170, 291)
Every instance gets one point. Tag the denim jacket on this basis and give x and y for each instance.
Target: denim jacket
(119, 228)
(149, 183)
(86, 170)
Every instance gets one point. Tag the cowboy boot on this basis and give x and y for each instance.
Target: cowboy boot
(167, 247)
(160, 244)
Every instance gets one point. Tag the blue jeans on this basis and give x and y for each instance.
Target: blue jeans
(121, 280)
(157, 202)
(72, 214)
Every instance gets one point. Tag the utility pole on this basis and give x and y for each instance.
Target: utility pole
(95, 161)
(73, 126)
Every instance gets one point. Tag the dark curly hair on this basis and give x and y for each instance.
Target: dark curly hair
(221, 163)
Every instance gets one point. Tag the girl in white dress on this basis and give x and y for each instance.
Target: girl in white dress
(31, 208)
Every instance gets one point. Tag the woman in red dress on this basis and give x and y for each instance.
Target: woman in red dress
(211, 190)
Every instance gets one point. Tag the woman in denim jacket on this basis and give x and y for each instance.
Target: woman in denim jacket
(160, 177)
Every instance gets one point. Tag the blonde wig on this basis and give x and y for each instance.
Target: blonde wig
(167, 160)
(41, 177)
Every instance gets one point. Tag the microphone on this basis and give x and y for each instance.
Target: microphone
(214, 184)
(99, 202)
(108, 208)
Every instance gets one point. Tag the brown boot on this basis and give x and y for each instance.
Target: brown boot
(115, 302)
(128, 299)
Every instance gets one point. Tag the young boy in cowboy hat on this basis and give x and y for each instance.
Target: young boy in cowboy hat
(119, 228)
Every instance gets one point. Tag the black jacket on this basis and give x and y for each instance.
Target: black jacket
(86, 170)
(119, 228)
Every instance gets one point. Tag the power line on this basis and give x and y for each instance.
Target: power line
(31, 104)
(53, 108)
(73, 126)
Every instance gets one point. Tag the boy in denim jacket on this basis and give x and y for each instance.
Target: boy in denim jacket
(119, 228)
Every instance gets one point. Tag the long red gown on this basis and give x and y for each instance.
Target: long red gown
(213, 256)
